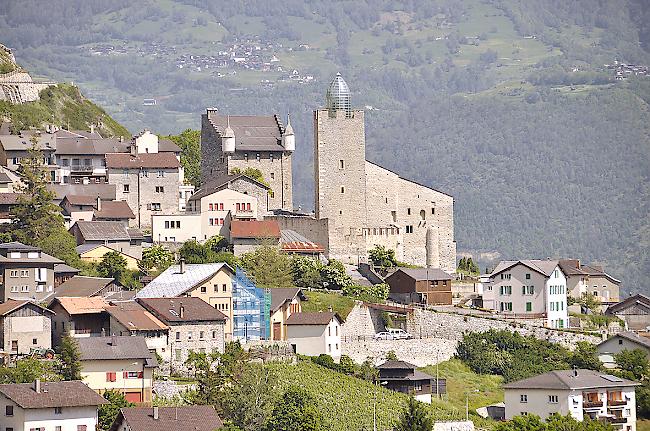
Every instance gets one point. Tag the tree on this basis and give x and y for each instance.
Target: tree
(306, 272)
(190, 143)
(217, 243)
(61, 244)
(334, 276)
(296, 411)
(248, 400)
(108, 412)
(70, 359)
(382, 256)
(555, 422)
(35, 217)
(112, 265)
(633, 364)
(27, 370)
(391, 356)
(590, 302)
(156, 257)
(253, 173)
(193, 252)
(585, 356)
(268, 266)
(415, 417)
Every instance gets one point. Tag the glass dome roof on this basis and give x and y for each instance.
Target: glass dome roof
(338, 96)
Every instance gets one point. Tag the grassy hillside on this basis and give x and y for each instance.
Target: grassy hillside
(64, 105)
(322, 301)
(336, 393)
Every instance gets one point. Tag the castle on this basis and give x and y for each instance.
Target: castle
(358, 204)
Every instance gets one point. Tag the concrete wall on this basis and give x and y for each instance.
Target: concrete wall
(314, 340)
(26, 325)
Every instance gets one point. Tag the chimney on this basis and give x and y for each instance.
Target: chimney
(329, 309)
(155, 413)
(99, 203)
(575, 372)
(103, 332)
(37, 386)
(92, 128)
(181, 311)
(182, 266)
(112, 341)
(134, 149)
(121, 138)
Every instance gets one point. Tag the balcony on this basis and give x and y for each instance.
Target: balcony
(616, 420)
(592, 404)
(616, 403)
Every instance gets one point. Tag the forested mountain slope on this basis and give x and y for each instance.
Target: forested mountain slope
(506, 104)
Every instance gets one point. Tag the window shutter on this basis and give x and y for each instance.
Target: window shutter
(148, 206)
(125, 374)
(108, 377)
(140, 375)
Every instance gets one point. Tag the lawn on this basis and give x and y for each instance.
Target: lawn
(643, 425)
(321, 301)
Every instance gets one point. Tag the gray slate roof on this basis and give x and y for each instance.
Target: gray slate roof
(567, 380)
(544, 267)
(194, 418)
(103, 230)
(620, 307)
(252, 132)
(53, 394)
(280, 295)
(80, 285)
(425, 273)
(103, 190)
(115, 347)
(633, 337)
(313, 318)
(221, 182)
(85, 146)
(172, 283)
(62, 268)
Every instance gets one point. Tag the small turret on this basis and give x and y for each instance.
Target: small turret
(288, 138)
(228, 139)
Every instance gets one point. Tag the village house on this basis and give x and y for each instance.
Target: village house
(193, 326)
(617, 343)
(93, 252)
(63, 273)
(210, 282)
(236, 182)
(27, 272)
(532, 289)
(14, 148)
(130, 318)
(106, 192)
(49, 406)
(8, 202)
(590, 280)
(123, 364)
(196, 418)
(211, 218)
(315, 333)
(79, 317)
(247, 235)
(109, 233)
(634, 311)
(579, 393)
(84, 286)
(81, 160)
(404, 377)
(24, 326)
(284, 302)
(430, 286)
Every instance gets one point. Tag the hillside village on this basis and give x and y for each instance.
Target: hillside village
(132, 299)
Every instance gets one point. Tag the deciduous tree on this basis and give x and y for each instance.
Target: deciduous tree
(415, 417)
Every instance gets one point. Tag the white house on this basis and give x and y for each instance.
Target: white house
(535, 289)
(580, 393)
(315, 333)
(48, 406)
(627, 340)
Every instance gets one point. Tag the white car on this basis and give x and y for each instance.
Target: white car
(384, 336)
(399, 334)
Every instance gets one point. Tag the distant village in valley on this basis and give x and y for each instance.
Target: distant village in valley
(133, 299)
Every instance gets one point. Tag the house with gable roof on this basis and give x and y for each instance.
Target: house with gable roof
(533, 289)
(24, 325)
(634, 311)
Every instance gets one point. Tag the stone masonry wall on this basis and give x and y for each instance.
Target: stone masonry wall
(186, 344)
(436, 335)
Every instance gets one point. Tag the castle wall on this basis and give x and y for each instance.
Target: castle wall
(307, 226)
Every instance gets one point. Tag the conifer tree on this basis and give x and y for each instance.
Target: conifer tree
(415, 417)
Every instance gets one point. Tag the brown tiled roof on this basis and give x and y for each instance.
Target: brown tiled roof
(9, 198)
(14, 304)
(114, 210)
(312, 318)
(252, 132)
(194, 418)
(85, 200)
(134, 317)
(281, 295)
(254, 229)
(194, 310)
(168, 146)
(115, 347)
(146, 160)
(82, 286)
(53, 394)
(77, 305)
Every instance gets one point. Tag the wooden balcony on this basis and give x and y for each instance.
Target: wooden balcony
(592, 404)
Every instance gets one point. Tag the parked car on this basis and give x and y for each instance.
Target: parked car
(399, 334)
(384, 336)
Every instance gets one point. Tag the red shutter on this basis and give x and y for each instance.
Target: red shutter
(221, 206)
(125, 374)
(248, 207)
(140, 375)
(108, 377)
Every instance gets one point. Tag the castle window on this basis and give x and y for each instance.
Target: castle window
(246, 156)
(409, 229)
(272, 173)
(340, 212)
(408, 211)
(423, 214)
(342, 189)
(433, 211)
(257, 156)
(341, 164)
(271, 158)
(394, 215)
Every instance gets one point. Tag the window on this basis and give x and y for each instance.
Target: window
(125, 188)
(409, 229)
(527, 276)
(57, 428)
(24, 273)
(161, 174)
(160, 189)
(178, 354)
(620, 342)
(57, 410)
(505, 290)
(166, 224)
(433, 211)
(220, 206)
(214, 334)
(145, 173)
(553, 399)
(201, 335)
(82, 428)
(272, 173)
(34, 341)
(9, 410)
(329, 331)
(408, 211)
(111, 376)
(329, 348)
(523, 398)
(13, 273)
(529, 306)
(204, 289)
(417, 386)
(155, 206)
(178, 335)
(341, 164)
(257, 156)
(224, 287)
(342, 189)
(189, 335)
(556, 273)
